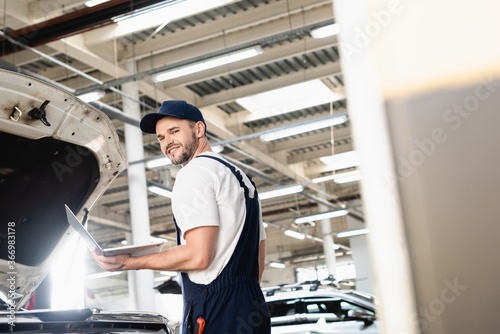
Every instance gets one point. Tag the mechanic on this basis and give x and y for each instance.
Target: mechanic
(220, 235)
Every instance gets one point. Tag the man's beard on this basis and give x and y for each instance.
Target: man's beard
(187, 152)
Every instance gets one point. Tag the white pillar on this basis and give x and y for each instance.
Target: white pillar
(381, 204)
(328, 244)
(132, 295)
(361, 257)
(139, 210)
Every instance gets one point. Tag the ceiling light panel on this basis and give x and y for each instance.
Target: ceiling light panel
(155, 16)
(326, 31)
(160, 191)
(295, 234)
(340, 178)
(320, 216)
(340, 161)
(281, 191)
(295, 97)
(288, 131)
(208, 64)
(353, 233)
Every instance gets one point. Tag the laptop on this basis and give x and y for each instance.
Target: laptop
(133, 250)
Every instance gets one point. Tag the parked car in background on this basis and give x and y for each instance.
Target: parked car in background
(55, 150)
(313, 307)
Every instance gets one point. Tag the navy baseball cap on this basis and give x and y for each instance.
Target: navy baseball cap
(174, 108)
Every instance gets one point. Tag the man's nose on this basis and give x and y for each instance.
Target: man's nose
(166, 141)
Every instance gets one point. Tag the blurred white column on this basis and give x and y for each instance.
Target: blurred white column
(361, 257)
(138, 194)
(328, 244)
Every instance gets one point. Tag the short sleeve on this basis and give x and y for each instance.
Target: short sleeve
(194, 199)
(261, 224)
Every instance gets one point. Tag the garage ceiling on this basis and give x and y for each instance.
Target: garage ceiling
(80, 48)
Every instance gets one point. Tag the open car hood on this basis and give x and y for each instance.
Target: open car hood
(84, 321)
(55, 150)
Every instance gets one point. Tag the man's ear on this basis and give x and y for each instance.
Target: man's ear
(200, 129)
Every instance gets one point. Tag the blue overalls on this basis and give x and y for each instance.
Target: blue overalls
(233, 303)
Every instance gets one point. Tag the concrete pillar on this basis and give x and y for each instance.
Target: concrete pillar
(361, 257)
(132, 293)
(328, 244)
(139, 211)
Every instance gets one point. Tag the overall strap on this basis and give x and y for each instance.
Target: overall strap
(235, 172)
(177, 233)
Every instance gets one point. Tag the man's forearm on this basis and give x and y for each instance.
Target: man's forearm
(262, 258)
(179, 258)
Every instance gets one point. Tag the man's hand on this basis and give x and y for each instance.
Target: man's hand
(197, 254)
(111, 263)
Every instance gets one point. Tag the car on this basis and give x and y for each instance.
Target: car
(56, 150)
(81, 321)
(320, 307)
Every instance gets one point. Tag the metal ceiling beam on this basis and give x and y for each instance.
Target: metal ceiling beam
(282, 29)
(71, 68)
(303, 31)
(310, 140)
(291, 125)
(290, 49)
(227, 96)
(72, 23)
(300, 13)
(75, 48)
(318, 153)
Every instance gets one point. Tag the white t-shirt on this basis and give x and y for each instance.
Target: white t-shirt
(206, 193)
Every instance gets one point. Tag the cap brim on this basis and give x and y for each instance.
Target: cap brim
(148, 122)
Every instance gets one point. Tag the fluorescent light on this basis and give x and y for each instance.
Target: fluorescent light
(354, 175)
(207, 64)
(169, 273)
(320, 216)
(93, 3)
(104, 274)
(336, 246)
(326, 31)
(288, 190)
(302, 128)
(324, 178)
(290, 98)
(155, 15)
(159, 162)
(352, 233)
(92, 96)
(295, 234)
(160, 191)
(340, 161)
(278, 265)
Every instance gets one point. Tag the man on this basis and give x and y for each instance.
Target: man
(220, 234)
